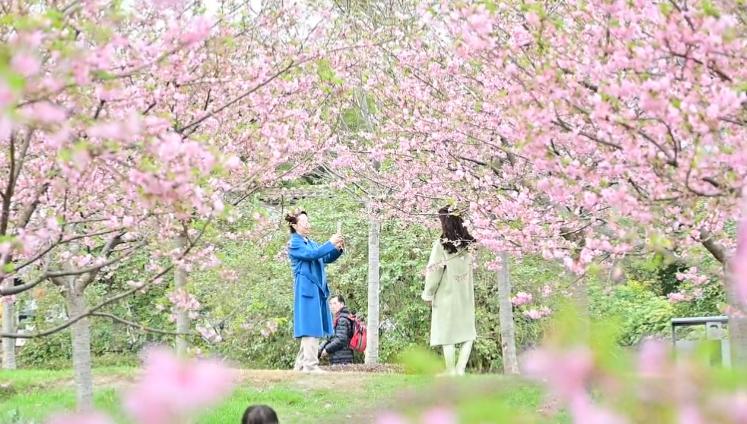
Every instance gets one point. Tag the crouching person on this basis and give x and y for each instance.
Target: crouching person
(337, 348)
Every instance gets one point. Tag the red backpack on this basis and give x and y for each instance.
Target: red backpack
(358, 336)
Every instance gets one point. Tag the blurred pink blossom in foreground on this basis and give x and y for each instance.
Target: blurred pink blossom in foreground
(440, 415)
(171, 388)
(389, 417)
(89, 418)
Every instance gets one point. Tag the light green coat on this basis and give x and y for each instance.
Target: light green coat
(450, 286)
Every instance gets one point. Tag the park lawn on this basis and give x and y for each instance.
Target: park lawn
(29, 396)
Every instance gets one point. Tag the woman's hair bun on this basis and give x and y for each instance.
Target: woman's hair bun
(292, 217)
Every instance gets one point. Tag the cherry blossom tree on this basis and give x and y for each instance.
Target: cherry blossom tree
(128, 128)
(581, 131)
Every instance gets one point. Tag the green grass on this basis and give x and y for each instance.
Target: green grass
(309, 404)
(36, 405)
(35, 394)
(24, 378)
(292, 404)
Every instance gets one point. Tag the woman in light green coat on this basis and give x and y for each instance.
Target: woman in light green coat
(449, 289)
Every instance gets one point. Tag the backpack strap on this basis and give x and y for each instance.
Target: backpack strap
(351, 321)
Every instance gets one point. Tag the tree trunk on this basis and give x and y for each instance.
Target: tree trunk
(506, 317)
(182, 315)
(737, 325)
(580, 296)
(9, 326)
(738, 340)
(81, 338)
(372, 346)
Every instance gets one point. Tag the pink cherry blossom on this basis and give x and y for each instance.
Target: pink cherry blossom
(439, 415)
(652, 358)
(81, 72)
(689, 414)
(6, 95)
(197, 31)
(565, 372)
(170, 388)
(390, 418)
(547, 290)
(521, 298)
(584, 411)
(25, 64)
(233, 162)
(480, 21)
(167, 3)
(678, 297)
(537, 313)
(209, 334)
(183, 300)
(45, 112)
(734, 406)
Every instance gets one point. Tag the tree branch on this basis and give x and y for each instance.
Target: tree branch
(141, 326)
(23, 287)
(61, 241)
(99, 108)
(559, 122)
(230, 103)
(111, 300)
(712, 246)
(111, 244)
(94, 268)
(29, 211)
(8, 193)
(22, 155)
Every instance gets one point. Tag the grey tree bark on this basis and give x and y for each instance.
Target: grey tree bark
(738, 340)
(81, 340)
(372, 326)
(73, 289)
(506, 317)
(737, 325)
(9, 344)
(182, 316)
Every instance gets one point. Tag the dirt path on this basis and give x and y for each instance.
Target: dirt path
(338, 381)
(334, 379)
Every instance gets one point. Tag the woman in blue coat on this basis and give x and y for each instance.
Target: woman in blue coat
(312, 319)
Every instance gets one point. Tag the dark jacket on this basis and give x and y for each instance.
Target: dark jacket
(338, 346)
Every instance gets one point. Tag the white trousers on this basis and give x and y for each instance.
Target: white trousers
(457, 368)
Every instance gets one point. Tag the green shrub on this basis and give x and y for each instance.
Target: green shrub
(637, 309)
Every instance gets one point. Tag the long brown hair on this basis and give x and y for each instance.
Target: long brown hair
(454, 236)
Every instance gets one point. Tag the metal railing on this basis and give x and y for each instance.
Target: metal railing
(715, 329)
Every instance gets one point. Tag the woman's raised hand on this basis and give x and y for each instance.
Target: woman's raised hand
(337, 240)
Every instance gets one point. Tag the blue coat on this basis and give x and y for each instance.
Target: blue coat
(311, 314)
